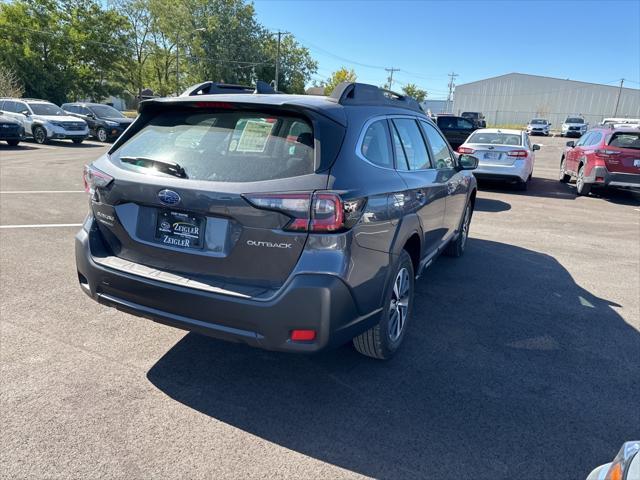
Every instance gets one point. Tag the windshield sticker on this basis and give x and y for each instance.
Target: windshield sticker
(254, 136)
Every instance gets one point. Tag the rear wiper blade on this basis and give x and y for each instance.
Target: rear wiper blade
(170, 168)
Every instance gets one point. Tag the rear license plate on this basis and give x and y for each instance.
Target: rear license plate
(180, 229)
(492, 155)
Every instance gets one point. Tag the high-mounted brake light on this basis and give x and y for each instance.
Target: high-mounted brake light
(225, 105)
(93, 178)
(517, 153)
(465, 150)
(311, 212)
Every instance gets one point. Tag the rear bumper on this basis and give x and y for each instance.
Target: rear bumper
(519, 171)
(11, 135)
(602, 176)
(319, 302)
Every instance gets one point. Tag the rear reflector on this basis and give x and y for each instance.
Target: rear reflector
(303, 335)
(465, 150)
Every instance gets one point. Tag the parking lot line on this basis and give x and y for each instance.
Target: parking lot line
(40, 191)
(43, 225)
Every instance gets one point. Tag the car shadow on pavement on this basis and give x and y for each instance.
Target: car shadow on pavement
(510, 370)
(491, 205)
(17, 148)
(549, 188)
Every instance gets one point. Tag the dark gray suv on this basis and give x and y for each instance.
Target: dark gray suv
(287, 222)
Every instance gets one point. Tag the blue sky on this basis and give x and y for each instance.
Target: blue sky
(592, 41)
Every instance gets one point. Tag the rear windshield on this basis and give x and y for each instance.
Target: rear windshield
(495, 138)
(574, 120)
(222, 146)
(625, 140)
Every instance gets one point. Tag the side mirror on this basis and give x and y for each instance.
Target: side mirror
(535, 147)
(25, 113)
(91, 115)
(468, 162)
(549, 124)
(571, 144)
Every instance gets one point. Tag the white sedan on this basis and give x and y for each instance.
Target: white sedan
(503, 155)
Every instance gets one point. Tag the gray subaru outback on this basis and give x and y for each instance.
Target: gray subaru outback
(287, 222)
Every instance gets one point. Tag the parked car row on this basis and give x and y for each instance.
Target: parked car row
(44, 121)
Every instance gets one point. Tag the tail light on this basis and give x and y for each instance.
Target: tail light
(311, 212)
(518, 153)
(94, 178)
(607, 153)
(465, 150)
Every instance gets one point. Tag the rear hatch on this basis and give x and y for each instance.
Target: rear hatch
(622, 153)
(211, 192)
(495, 148)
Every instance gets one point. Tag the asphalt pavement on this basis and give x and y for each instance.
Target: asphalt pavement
(522, 360)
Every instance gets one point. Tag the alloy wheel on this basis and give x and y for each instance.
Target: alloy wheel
(465, 226)
(40, 136)
(102, 135)
(580, 180)
(399, 305)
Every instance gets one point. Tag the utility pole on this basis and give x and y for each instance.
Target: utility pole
(452, 77)
(275, 83)
(177, 64)
(615, 114)
(391, 70)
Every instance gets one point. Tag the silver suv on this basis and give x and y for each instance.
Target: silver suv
(574, 126)
(44, 121)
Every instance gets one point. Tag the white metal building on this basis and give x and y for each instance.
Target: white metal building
(516, 98)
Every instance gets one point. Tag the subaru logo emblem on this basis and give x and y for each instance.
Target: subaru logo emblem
(169, 197)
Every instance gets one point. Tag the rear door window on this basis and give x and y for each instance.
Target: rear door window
(594, 138)
(238, 146)
(416, 154)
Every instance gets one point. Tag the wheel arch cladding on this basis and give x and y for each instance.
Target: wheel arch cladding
(413, 248)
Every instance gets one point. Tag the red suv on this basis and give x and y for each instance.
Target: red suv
(603, 157)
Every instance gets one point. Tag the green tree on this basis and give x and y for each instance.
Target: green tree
(296, 64)
(64, 49)
(412, 90)
(337, 77)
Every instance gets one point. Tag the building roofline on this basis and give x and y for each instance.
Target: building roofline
(547, 77)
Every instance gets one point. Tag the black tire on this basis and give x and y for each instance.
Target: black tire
(522, 186)
(564, 177)
(383, 340)
(582, 188)
(13, 143)
(77, 141)
(456, 247)
(40, 135)
(101, 135)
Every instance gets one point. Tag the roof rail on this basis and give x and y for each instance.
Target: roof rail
(213, 88)
(352, 93)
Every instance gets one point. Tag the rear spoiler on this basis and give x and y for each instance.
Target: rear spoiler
(213, 88)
